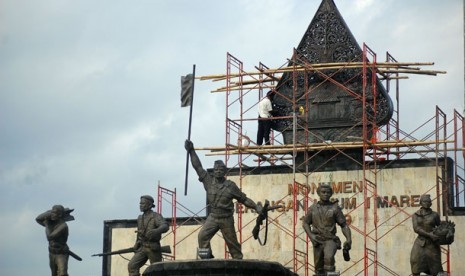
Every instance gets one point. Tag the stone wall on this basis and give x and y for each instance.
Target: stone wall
(401, 186)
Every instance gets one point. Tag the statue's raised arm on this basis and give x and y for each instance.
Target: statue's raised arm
(189, 146)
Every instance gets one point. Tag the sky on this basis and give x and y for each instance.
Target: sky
(90, 113)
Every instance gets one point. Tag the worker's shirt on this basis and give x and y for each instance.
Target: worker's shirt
(264, 108)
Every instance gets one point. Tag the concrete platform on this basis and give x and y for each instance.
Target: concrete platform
(217, 268)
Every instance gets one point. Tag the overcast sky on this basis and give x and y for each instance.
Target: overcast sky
(90, 111)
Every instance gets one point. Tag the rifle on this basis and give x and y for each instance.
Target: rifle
(74, 255)
(263, 215)
(163, 249)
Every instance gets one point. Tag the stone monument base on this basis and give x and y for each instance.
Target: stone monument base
(218, 267)
(332, 273)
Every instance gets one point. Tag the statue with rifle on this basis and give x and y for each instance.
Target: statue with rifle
(56, 230)
(150, 227)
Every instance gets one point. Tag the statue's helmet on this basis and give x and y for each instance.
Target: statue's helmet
(149, 198)
(219, 163)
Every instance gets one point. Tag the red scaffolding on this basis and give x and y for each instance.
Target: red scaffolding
(244, 89)
(163, 195)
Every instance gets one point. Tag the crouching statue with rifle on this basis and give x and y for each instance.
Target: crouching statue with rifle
(150, 226)
(263, 216)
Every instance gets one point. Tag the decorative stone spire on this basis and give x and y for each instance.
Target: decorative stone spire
(334, 105)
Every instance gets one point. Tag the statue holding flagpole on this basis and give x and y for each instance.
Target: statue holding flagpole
(187, 99)
(220, 195)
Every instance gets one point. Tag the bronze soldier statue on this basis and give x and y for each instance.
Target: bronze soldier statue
(220, 195)
(320, 225)
(150, 226)
(426, 251)
(56, 230)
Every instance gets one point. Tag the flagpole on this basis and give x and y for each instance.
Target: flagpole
(189, 129)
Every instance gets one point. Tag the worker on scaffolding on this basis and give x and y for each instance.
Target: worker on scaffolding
(220, 195)
(265, 110)
(323, 217)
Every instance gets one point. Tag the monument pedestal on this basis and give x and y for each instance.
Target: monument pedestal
(218, 267)
(332, 273)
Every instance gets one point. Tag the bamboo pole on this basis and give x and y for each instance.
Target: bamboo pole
(395, 78)
(405, 71)
(324, 66)
(392, 143)
(381, 69)
(283, 149)
(238, 86)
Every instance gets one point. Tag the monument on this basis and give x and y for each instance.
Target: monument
(329, 106)
(334, 95)
(331, 98)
